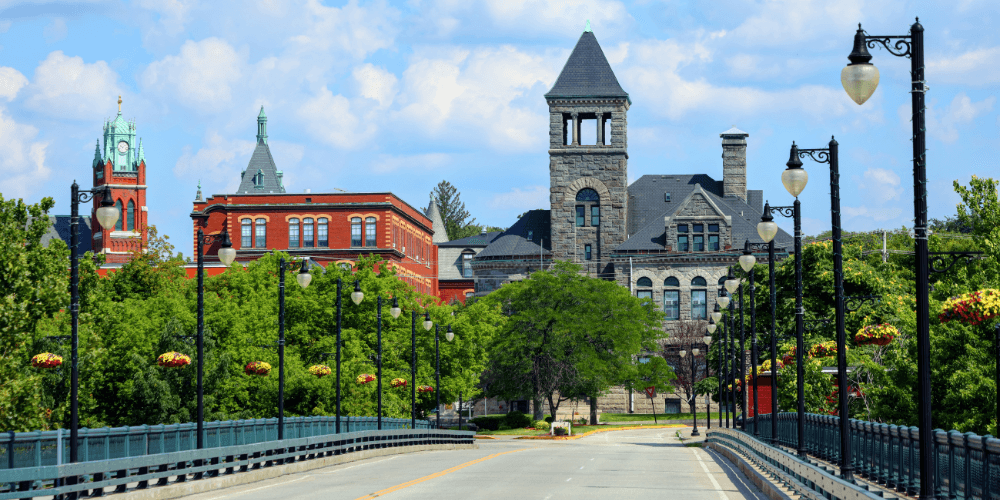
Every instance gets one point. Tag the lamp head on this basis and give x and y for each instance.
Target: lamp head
(394, 310)
(747, 260)
(766, 228)
(723, 301)
(794, 178)
(450, 335)
(695, 351)
(303, 276)
(682, 353)
(860, 77)
(716, 315)
(706, 340)
(108, 214)
(357, 295)
(731, 282)
(427, 321)
(227, 254)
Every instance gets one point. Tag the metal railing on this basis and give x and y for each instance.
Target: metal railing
(146, 471)
(43, 448)
(968, 465)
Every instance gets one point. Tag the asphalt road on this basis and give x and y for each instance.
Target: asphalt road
(617, 465)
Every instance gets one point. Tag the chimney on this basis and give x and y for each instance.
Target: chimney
(734, 163)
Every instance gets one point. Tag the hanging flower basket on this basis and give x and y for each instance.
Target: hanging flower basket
(427, 388)
(739, 385)
(260, 368)
(364, 378)
(876, 334)
(173, 360)
(824, 350)
(972, 308)
(320, 370)
(766, 366)
(46, 360)
(398, 382)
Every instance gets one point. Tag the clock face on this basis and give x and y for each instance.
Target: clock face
(122, 147)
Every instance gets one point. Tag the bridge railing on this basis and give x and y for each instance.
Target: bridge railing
(146, 471)
(968, 465)
(44, 448)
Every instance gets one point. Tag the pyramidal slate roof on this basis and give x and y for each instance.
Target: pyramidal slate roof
(516, 243)
(262, 175)
(587, 73)
(437, 223)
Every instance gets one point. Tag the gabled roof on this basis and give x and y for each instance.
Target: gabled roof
(515, 243)
(587, 73)
(261, 162)
(480, 240)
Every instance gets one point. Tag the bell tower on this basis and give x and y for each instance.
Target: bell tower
(121, 164)
(588, 182)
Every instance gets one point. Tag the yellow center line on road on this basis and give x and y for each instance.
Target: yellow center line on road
(434, 475)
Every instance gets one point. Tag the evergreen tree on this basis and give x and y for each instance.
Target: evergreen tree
(453, 213)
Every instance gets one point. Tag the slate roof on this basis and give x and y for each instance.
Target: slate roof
(648, 207)
(60, 229)
(437, 223)
(263, 162)
(514, 242)
(480, 240)
(587, 73)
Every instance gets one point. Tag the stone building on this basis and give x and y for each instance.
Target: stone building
(669, 237)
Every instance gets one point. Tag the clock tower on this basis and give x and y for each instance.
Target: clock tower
(121, 165)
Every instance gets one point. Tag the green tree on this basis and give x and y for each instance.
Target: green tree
(645, 372)
(456, 218)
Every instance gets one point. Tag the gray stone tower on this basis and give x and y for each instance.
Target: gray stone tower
(588, 182)
(734, 163)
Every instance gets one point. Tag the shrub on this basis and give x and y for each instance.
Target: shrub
(516, 419)
(503, 427)
(549, 419)
(541, 425)
(583, 421)
(560, 431)
(489, 422)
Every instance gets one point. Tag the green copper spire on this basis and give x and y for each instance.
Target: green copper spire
(262, 126)
(587, 29)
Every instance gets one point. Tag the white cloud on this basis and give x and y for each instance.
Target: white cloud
(22, 158)
(329, 118)
(528, 198)
(881, 185)
(521, 18)
(975, 67)
(877, 214)
(943, 126)
(69, 88)
(384, 164)
(219, 162)
(351, 29)
(173, 13)
(200, 77)
(376, 83)
(11, 82)
(785, 23)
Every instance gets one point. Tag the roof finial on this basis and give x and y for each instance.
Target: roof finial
(119, 104)
(199, 184)
(588, 26)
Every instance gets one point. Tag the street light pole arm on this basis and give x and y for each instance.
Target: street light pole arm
(820, 155)
(902, 46)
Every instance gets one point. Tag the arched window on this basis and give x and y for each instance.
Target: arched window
(647, 284)
(258, 179)
(130, 223)
(370, 232)
(699, 299)
(672, 298)
(260, 239)
(644, 282)
(322, 233)
(356, 231)
(118, 224)
(699, 281)
(588, 207)
(246, 234)
(587, 194)
(307, 232)
(293, 233)
(346, 266)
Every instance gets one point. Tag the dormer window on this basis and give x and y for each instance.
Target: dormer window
(258, 180)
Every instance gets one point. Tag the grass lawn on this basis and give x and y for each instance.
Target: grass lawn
(512, 432)
(642, 417)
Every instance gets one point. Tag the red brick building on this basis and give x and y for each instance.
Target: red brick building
(330, 228)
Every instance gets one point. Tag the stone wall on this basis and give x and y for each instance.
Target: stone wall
(734, 165)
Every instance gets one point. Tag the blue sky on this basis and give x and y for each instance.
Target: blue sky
(372, 96)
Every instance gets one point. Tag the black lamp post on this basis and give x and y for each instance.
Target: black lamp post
(731, 285)
(226, 254)
(747, 261)
(413, 364)
(107, 215)
(741, 370)
(356, 296)
(767, 229)
(694, 392)
(304, 278)
(860, 78)
(721, 303)
(712, 326)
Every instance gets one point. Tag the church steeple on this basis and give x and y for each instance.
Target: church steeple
(262, 126)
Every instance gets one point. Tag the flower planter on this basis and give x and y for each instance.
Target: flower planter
(972, 308)
(427, 388)
(173, 360)
(364, 378)
(882, 334)
(825, 350)
(259, 368)
(398, 382)
(46, 360)
(320, 370)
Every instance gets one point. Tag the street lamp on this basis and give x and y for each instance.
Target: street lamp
(226, 254)
(831, 155)
(707, 340)
(767, 229)
(715, 317)
(107, 215)
(694, 392)
(724, 365)
(304, 282)
(860, 78)
(427, 324)
(747, 261)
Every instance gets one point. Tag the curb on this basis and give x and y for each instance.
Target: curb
(766, 486)
(595, 431)
(178, 490)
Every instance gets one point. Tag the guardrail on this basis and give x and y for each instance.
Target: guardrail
(968, 465)
(43, 448)
(91, 478)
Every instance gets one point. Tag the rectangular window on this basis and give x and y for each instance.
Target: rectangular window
(246, 234)
(579, 216)
(307, 233)
(293, 233)
(713, 242)
(356, 232)
(322, 233)
(260, 241)
(699, 305)
(682, 228)
(595, 215)
(467, 265)
(666, 196)
(644, 294)
(699, 243)
(587, 252)
(698, 228)
(713, 228)
(682, 243)
(370, 232)
(672, 304)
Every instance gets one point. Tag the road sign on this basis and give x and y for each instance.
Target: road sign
(651, 392)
